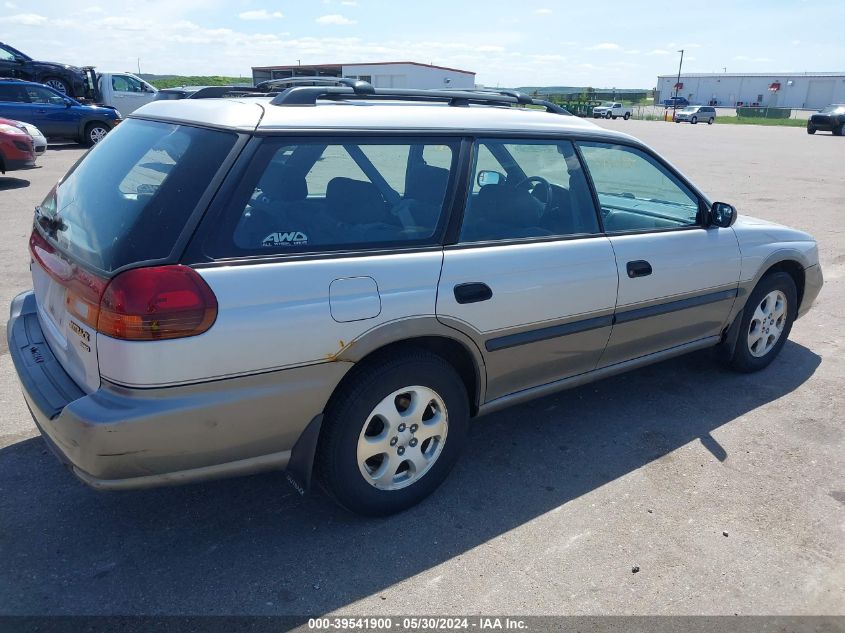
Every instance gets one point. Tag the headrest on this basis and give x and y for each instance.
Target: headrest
(355, 201)
(427, 184)
(283, 185)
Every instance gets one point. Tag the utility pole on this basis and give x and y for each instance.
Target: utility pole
(677, 85)
(139, 65)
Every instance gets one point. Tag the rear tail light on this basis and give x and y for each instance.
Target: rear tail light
(142, 304)
(164, 302)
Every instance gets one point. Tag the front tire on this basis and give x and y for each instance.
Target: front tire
(766, 322)
(94, 133)
(608, 115)
(694, 120)
(811, 129)
(393, 433)
(56, 83)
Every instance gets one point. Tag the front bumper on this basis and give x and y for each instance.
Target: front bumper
(813, 282)
(120, 438)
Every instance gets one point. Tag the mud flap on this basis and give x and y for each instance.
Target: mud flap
(298, 472)
(725, 349)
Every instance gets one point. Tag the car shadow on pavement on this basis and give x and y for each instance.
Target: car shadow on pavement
(7, 183)
(253, 546)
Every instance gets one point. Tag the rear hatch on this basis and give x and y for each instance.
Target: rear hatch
(125, 204)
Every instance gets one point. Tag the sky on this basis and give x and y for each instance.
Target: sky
(507, 43)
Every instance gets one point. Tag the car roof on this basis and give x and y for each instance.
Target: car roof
(258, 114)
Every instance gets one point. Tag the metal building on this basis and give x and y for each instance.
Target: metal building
(809, 91)
(380, 74)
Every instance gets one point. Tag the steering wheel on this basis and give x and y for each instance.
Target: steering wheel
(539, 181)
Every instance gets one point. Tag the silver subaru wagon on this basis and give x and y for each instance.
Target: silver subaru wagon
(335, 280)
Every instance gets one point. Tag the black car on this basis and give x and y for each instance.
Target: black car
(68, 80)
(830, 119)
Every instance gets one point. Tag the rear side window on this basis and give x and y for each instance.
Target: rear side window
(318, 195)
(11, 93)
(129, 198)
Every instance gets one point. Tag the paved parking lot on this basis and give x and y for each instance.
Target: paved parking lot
(727, 491)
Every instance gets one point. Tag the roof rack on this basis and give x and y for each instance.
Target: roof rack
(356, 89)
(315, 79)
(213, 92)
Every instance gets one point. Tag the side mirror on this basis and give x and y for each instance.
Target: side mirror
(722, 214)
(68, 103)
(489, 177)
(19, 59)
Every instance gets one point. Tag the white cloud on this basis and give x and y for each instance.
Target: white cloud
(349, 3)
(24, 19)
(260, 14)
(796, 42)
(335, 18)
(10, 5)
(658, 51)
(605, 46)
(543, 11)
(94, 9)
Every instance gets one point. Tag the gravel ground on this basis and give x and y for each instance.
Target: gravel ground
(726, 491)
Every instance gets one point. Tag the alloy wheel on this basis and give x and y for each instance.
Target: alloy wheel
(402, 437)
(767, 323)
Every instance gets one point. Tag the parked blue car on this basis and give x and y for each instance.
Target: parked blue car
(56, 115)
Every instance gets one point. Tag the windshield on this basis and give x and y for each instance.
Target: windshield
(129, 198)
(690, 109)
(834, 109)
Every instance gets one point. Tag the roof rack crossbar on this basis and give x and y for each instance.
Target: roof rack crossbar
(213, 92)
(309, 95)
(356, 84)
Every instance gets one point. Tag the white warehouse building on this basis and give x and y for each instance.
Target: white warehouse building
(810, 91)
(381, 74)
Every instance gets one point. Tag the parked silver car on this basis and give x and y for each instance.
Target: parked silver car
(694, 114)
(226, 286)
(39, 141)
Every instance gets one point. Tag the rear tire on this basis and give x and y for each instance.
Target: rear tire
(766, 322)
(627, 116)
(410, 454)
(839, 131)
(710, 121)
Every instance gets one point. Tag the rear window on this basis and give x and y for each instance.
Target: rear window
(129, 198)
(351, 193)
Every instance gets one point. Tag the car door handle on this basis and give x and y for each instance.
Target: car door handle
(639, 268)
(472, 292)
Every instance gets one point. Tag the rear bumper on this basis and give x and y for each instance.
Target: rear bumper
(120, 438)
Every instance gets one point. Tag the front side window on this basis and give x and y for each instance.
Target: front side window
(124, 83)
(635, 191)
(6, 56)
(42, 95)
(524, 189)
(311, 195)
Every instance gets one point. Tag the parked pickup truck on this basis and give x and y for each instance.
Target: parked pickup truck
(611, 110)
(122, 91)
